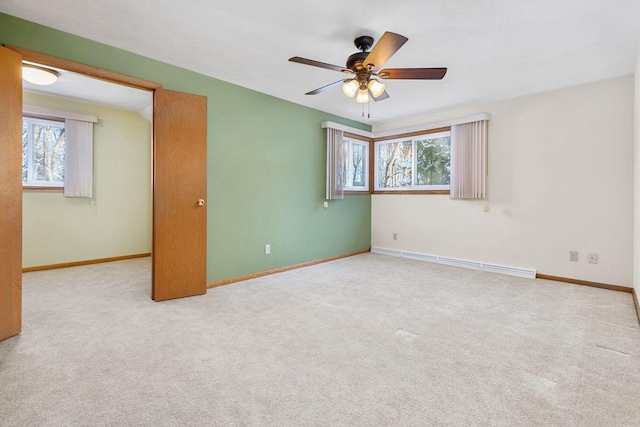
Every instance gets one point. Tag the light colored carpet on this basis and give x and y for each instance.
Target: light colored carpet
(367, 340)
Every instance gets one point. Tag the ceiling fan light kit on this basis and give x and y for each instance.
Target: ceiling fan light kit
(367, 69)
(350, 87)
(363, 96)
(376, 88)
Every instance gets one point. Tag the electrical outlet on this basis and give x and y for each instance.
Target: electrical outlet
(267, 249)
(395, 236)
(592, 258)
(325, 204)
(487, 208)
(573, 256)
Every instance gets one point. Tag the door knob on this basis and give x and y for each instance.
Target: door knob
(200, 202)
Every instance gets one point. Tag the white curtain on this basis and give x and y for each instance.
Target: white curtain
(469, 160)
(335, 162)
(78, 157)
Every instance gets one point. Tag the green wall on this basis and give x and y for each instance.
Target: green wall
(117, 221)
(266, 162)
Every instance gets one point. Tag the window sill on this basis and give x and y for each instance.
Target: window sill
(36, 188)
(447, 192)
(352, 192)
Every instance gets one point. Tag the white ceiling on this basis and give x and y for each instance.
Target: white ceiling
(82, 88)
(494, 49)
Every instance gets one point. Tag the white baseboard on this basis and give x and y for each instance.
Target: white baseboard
(475, 265)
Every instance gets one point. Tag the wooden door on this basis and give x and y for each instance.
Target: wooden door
(180, 180)
(10, 193)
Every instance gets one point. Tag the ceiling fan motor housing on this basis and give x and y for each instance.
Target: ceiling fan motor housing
(354, 62)
(363, 43)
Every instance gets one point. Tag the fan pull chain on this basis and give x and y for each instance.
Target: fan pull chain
(369, 110)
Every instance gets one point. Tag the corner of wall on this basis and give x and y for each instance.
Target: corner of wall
(636, 208)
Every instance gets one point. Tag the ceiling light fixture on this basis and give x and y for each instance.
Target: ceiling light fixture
(363, 96)
(376, 88)
(39, 75)
(365, 87)
(350, 87)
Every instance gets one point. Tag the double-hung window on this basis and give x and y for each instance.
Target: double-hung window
(43, 150)
(420, 162)
(356, 164)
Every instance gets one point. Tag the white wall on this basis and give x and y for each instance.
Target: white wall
(117, 221)
(636, 215)
(560, 178)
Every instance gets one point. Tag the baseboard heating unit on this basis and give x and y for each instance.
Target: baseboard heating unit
(494, 268)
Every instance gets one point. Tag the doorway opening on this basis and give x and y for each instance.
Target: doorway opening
(114, 220)
(179, 184)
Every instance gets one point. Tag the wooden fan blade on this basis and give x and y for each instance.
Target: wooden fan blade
(319, 64)
(388, 44)
(382, 97)
(323, 88)
(413, 73)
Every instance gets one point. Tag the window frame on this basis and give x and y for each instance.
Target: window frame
(413, 137)
(360, 140)
(39, 186)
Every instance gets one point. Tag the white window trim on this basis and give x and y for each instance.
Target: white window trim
(346, 128)
(365, 188)
(56, 114)
(423, 127)
(432, 125)
(414, 168)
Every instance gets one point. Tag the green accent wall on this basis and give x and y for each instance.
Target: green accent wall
(266, 162)
(117, 221)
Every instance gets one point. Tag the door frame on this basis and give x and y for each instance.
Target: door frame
(10, 195)
(87, 70)
(102, 74)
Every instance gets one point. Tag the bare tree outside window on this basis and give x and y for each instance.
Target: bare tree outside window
(422, 162)
(359, 156)
(25, 148)
(43, 152)
(395, 164)
(355, 164)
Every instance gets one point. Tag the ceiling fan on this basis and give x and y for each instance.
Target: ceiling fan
(366, 66)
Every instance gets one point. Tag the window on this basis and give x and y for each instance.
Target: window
(421, 162)
(42, 152)
(356, 164)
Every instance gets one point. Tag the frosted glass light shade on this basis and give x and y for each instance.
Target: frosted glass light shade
(376, 88)
(39, 75)
(363, 96)
(350, 88)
